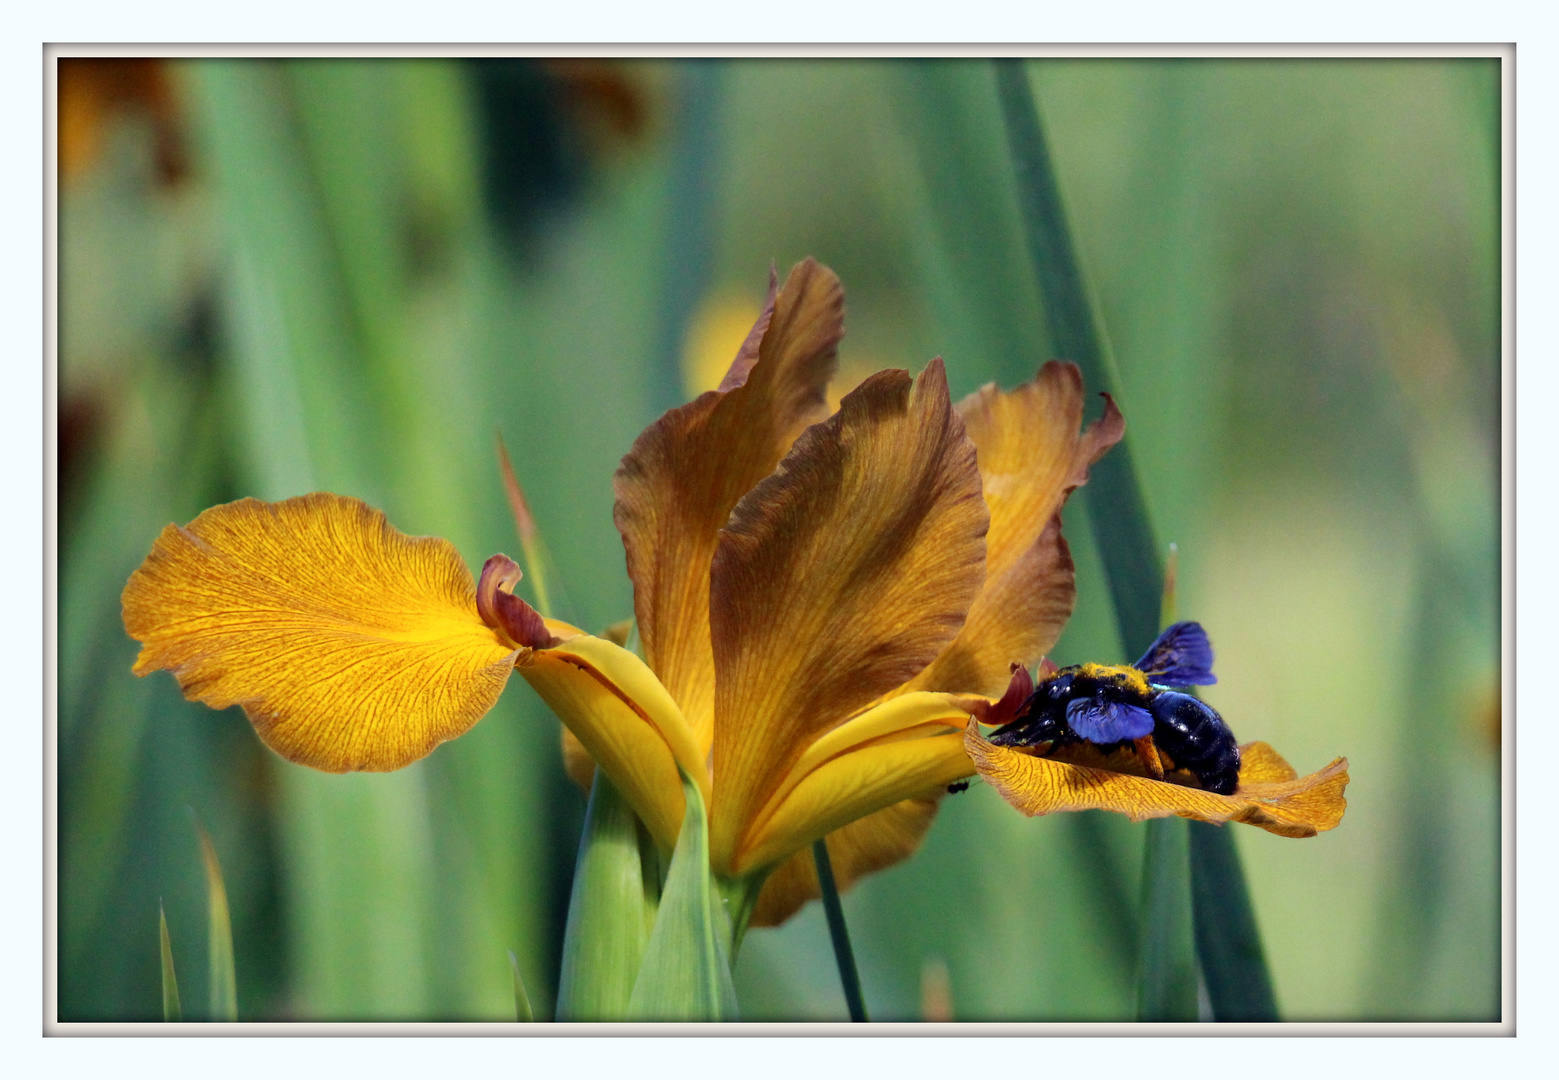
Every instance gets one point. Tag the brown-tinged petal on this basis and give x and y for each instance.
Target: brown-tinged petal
(860, 848)
(625, 720)
(1270, 795)
(350, 645)
(1017, 618)
(1032, 455)
(838, 578)
(677, 485)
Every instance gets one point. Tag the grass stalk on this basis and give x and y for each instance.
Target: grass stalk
(838, 932)
(1123, 532)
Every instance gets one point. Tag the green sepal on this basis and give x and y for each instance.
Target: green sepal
(610, 911)
(686, 973)
(171, 1011)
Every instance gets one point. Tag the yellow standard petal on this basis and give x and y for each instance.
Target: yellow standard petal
(837, 579)
(625, 720)
(679, 482)
(350, 645)
(1270, 795)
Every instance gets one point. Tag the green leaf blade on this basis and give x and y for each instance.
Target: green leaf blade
(171, 1012)
(609, 912)
(686, 972)
(1228, 942)
(1167, 978)
(1113, 495)
(224, 980)
(522, 1010)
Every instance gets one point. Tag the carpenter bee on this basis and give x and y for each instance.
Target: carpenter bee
(1173, 735)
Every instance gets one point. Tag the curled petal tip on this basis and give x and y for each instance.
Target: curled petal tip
(505, 612)
(1005, 709)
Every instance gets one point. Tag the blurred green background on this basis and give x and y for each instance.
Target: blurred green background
(278, 277)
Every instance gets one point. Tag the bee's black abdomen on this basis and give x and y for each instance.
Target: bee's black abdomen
(1193, 734)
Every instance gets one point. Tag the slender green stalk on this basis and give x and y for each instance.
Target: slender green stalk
(838, 932)
(171, 1011)
(1118, 515)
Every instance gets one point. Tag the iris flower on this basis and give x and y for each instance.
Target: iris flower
(825, 604)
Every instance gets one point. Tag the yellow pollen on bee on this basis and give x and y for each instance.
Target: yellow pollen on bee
(1127, 678)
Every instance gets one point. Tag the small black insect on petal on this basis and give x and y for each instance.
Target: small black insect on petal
(956, 786)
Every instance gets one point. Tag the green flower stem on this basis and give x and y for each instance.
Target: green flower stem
(740, 896)
(839, 932)
(1227, 942)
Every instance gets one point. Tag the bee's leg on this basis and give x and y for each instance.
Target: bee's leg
(1148, 752)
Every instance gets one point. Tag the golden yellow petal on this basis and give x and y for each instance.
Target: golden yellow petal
(1270, 794)
(1032, 455)
(625, 720)
(906, 716)
(679, 482)
(1016, 619)
(860, 848)
(350, 645)
(837, 579)
(578, 765)
(850, 787)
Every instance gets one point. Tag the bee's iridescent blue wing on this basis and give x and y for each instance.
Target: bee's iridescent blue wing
(1107, 721)
(1182, 656)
